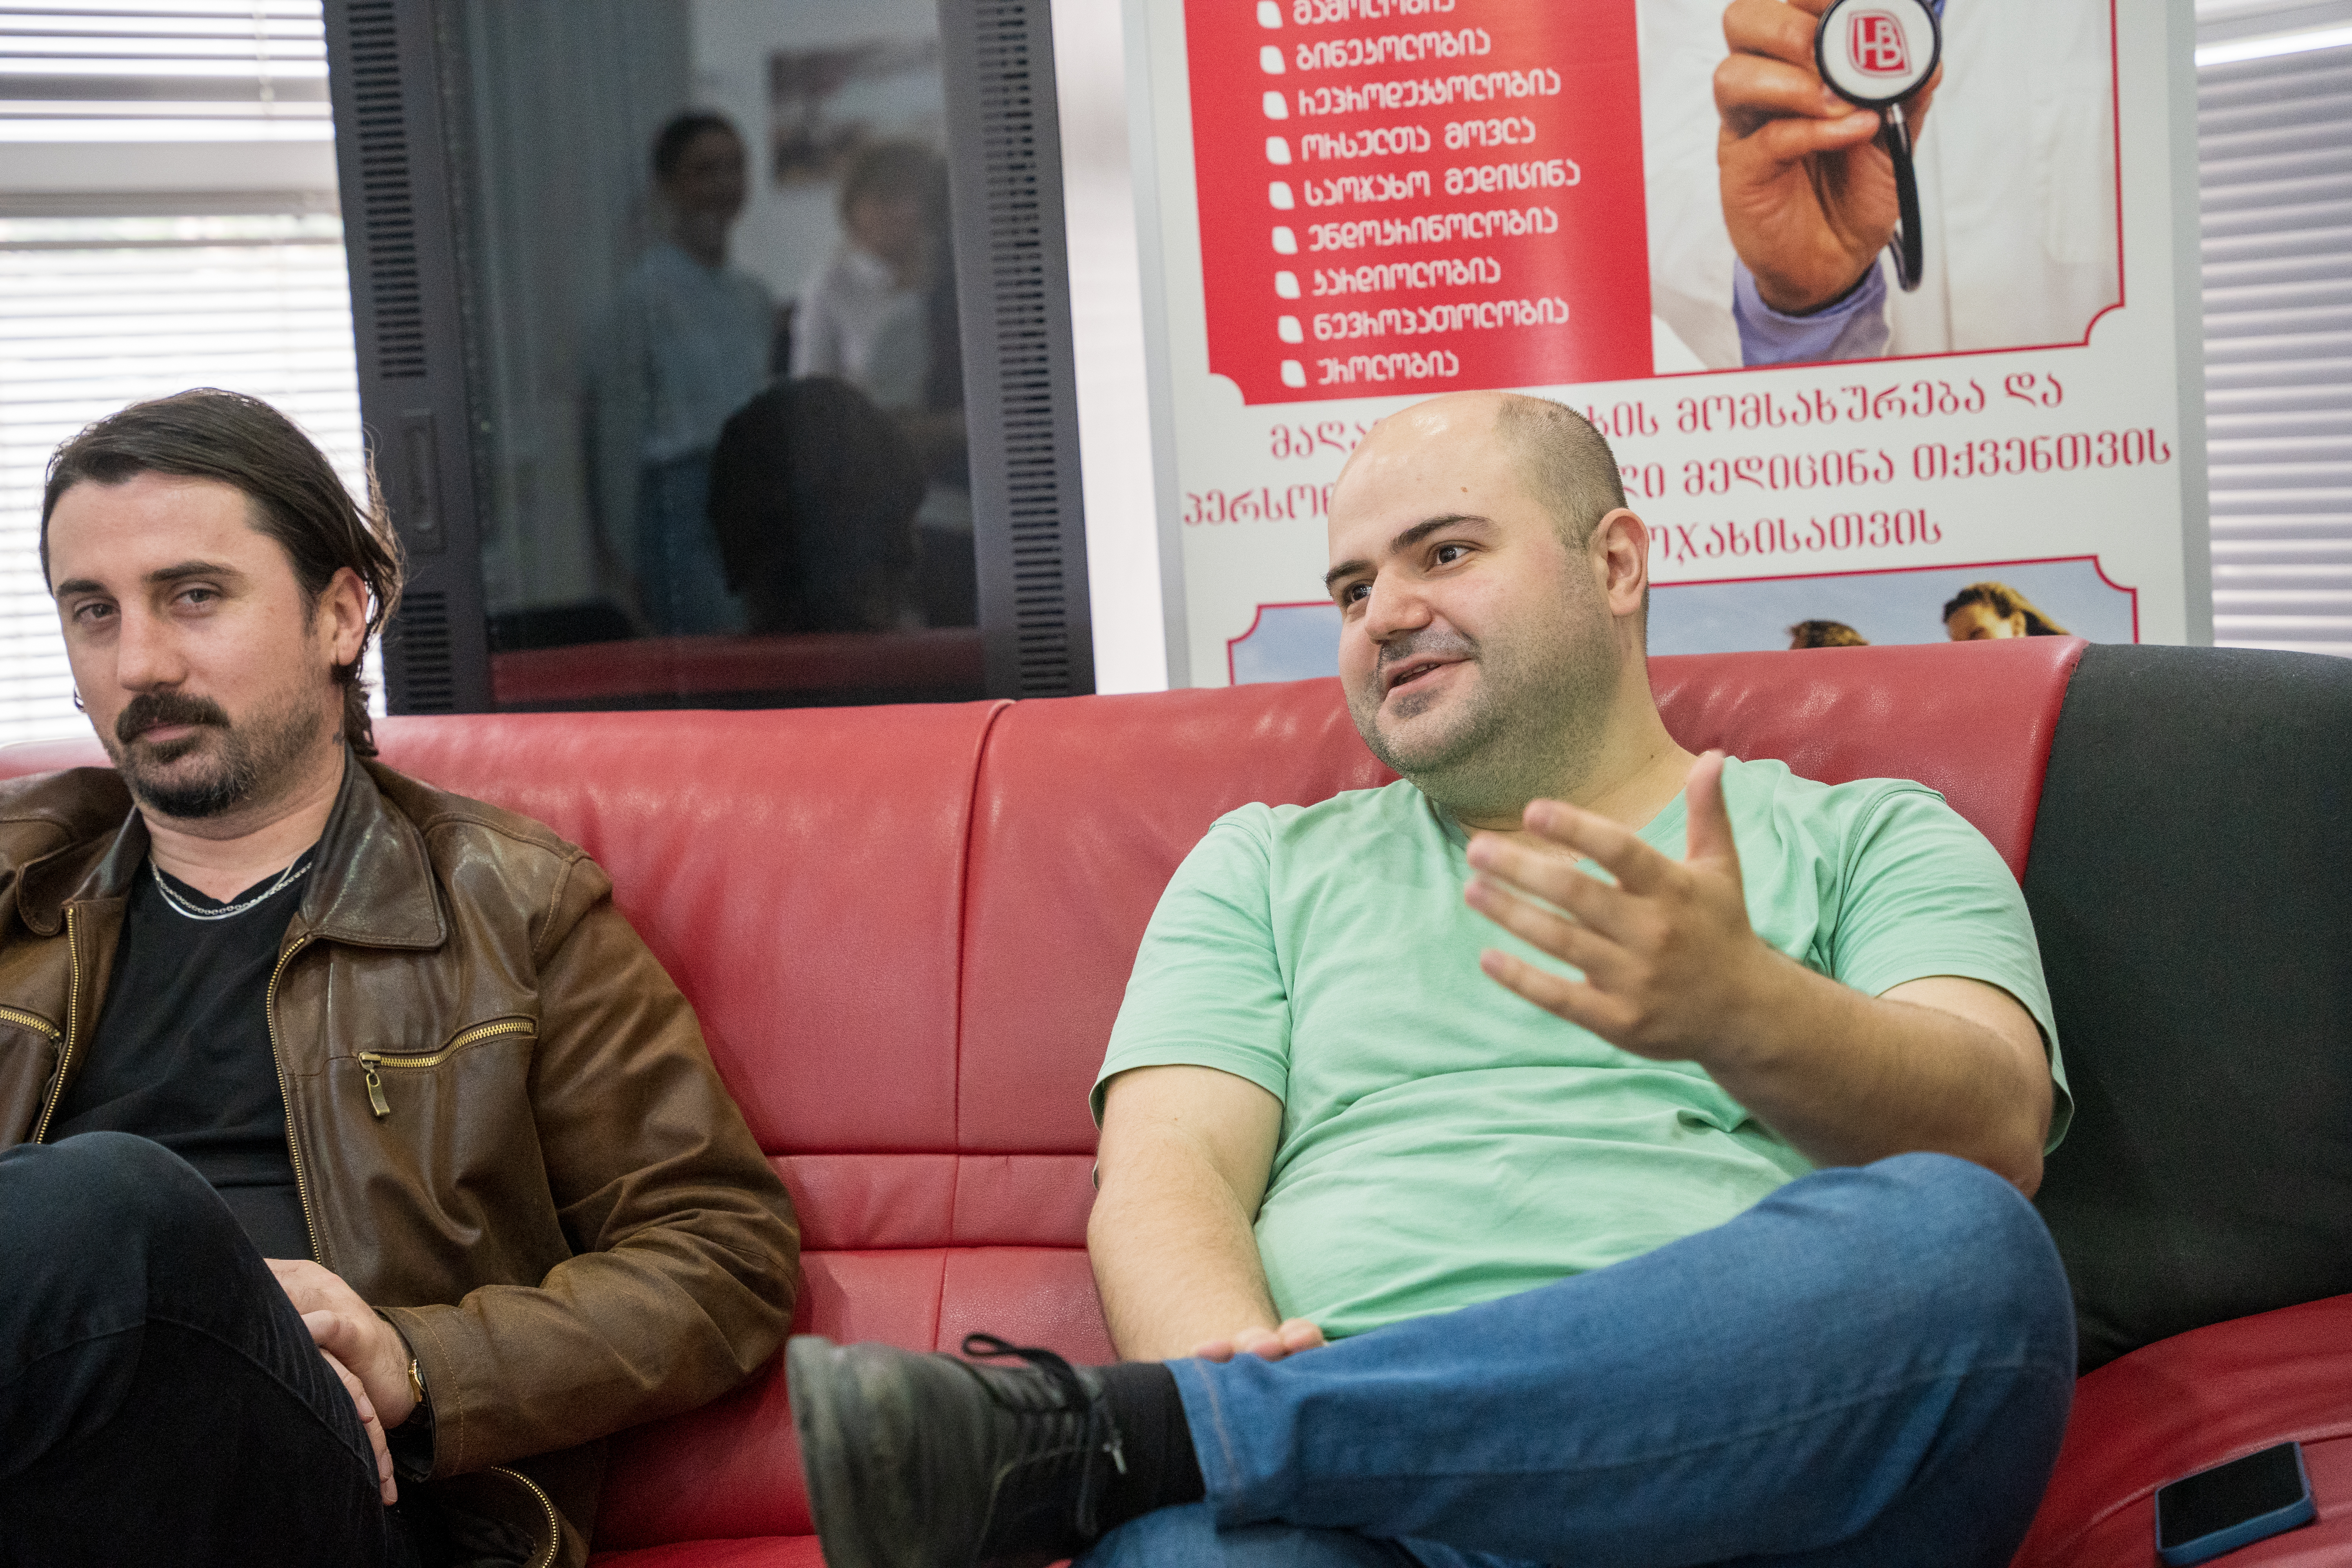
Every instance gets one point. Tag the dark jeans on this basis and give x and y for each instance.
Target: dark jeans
(159, 1400)
(1869, 1369)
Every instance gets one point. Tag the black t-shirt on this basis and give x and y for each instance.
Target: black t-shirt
(182, 1051)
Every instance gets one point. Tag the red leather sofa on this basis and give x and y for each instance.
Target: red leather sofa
(906, 931)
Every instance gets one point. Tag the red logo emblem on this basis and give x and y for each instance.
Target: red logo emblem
(1874, 39)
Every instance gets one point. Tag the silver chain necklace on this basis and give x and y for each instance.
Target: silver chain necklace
(285, 878)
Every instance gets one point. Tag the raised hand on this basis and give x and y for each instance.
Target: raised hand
(1808, 194)
(1671, 969)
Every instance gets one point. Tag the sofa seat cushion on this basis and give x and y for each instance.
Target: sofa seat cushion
(2191, 1401)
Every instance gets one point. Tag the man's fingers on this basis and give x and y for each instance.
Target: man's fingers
(1618, 849)
(1269, 1344)
(1579, 1003)
(1778, 143)
(386, 1486)
(1749, 90)
(352, 1384)
(1298, 1334)
(347, 1328)
(1518, 870)
(1571, 941)
(1773, 29)
(337, 1335)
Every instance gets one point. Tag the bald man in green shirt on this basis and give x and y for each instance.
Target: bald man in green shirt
(1579, 1151)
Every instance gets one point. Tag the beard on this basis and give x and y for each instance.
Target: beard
(241, 762)
(1529, 725)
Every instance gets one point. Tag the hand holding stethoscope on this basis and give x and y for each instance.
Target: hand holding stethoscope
(1815, 182)
(1875, 54)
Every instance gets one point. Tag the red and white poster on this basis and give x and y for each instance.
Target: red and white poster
(1352, 205)
(1456, 201)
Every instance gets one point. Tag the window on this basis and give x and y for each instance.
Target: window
(167, 220)
(95, 313)
(2275, 155)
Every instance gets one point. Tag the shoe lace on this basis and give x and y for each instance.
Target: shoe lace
(1100, 1435)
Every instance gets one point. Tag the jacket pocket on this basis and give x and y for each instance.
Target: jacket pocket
(28, 1071)
(374, 1064)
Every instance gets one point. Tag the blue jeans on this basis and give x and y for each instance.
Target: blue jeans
(1869, 1369)
(680, 579)
(160, 1399)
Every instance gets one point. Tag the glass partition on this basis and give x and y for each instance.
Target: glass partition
(713, 364)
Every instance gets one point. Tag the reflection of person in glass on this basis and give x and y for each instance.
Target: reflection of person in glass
(690, 345)
(1769, 220)
(881, 273)
(881, 315)
(813, 493)
(1983, 610)
(1825, 634)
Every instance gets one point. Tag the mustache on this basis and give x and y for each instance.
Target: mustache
(1417, 645)
(150, 708)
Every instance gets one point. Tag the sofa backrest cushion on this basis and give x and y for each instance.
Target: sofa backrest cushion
(2191, 886)
(1085, 807)
(1971, 720)
(800, 881)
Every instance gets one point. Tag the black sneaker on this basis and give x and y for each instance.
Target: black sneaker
(927, 1461)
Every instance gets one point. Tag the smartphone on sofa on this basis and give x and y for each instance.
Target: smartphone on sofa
(2199, 1517)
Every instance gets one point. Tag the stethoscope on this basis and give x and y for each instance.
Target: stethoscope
(1875, 54)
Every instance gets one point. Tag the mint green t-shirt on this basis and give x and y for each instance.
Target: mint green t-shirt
(1444, 1141)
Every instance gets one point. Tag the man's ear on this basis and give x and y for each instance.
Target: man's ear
(1620, 550)
(341, 618)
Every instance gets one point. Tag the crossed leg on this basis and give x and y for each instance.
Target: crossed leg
(1871, 1367)
(160, 1399)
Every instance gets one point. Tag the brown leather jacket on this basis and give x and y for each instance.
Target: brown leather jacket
(489, 1082)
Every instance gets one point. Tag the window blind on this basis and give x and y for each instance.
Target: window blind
(162, 70)
(2275, 140)
(96, 313)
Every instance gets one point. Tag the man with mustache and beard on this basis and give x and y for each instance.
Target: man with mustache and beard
(1576, 1152)
(359, 1169)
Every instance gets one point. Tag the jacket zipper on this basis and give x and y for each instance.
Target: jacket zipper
(546, 1506)
(278, 1059)
(370, 1060)
(32, 1021)
(73, 1018)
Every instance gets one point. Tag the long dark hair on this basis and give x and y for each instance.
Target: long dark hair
(2004, 601)
(208, 433)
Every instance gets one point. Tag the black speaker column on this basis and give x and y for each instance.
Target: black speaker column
(1004, 175)
(399, 234)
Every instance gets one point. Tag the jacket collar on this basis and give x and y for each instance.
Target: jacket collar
(85, 871)
(371, 884)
